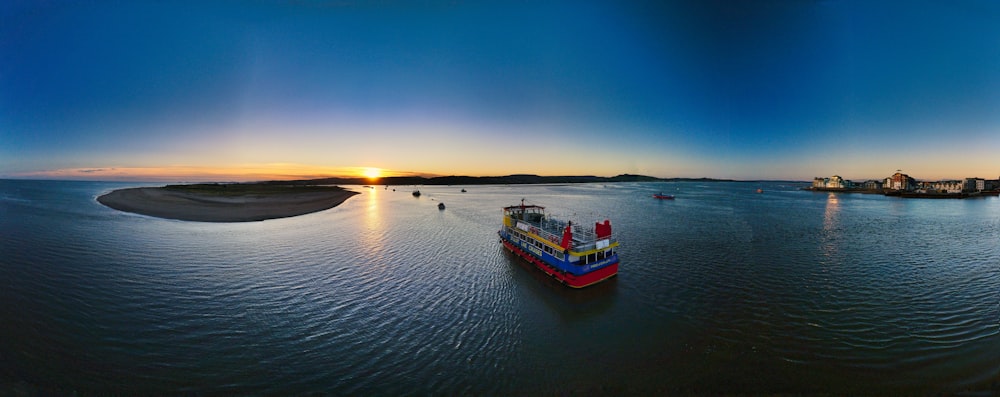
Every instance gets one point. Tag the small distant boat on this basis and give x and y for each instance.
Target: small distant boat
(440, 206)
(416, 193)
(662, 196)
(463, 190)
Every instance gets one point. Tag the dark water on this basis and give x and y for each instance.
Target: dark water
(720, 291)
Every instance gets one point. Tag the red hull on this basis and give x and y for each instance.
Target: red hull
(581, 281)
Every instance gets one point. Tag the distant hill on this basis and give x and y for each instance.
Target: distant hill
(516, 179)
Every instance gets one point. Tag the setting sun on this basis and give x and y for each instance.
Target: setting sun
(372, 173)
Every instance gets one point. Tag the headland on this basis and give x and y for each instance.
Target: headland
(239, 202)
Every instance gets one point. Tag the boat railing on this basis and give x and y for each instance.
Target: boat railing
(584, 232)
(547, 229)
(584, 237)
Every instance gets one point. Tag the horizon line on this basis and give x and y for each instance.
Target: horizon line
(291, 171)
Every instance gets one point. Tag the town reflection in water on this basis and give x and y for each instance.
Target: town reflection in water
(831, 225)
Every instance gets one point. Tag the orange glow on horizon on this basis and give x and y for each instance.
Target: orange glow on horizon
(372, 173)
(236, 173)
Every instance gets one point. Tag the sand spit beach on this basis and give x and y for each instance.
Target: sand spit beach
(225, 202)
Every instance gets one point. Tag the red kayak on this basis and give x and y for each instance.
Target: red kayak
(663, 196)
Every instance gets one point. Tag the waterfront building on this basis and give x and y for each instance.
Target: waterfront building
(974, 185)
(991, 184)
(872, 184)
(900, 182)
(948, 186)
(833, 182)
(837, 182)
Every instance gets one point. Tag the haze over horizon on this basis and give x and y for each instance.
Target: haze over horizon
(742, 90)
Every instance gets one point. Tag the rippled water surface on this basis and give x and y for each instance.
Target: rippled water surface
(720, 291)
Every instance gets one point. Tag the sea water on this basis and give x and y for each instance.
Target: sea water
(722, 290)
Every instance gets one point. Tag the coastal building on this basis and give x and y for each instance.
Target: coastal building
(946, 186)
(871, 184)
(836, 182)
(833, 182)
(900, 182)
(991, 184)
(974, 185)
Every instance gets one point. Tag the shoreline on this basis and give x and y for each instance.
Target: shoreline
(843, 190)
(909, 194)
(216, 203)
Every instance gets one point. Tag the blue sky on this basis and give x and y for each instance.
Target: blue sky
(725, 89)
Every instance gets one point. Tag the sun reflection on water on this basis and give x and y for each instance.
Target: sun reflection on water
(372, 243)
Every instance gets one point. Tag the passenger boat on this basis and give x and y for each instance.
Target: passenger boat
(574, 255)
(662, 196)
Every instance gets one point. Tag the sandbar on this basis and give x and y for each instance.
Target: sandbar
(225, 203)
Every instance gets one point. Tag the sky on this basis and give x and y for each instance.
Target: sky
(202, 90)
